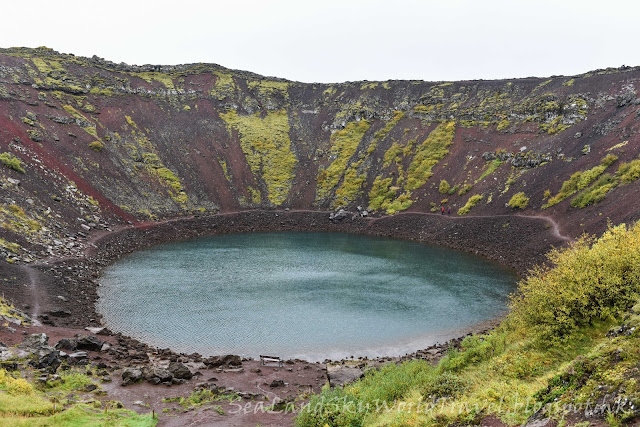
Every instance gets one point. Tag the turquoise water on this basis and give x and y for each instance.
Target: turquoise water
(306, 295)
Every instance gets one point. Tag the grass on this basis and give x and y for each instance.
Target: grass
(428, 154)
(580, 180)
(344, 144)
(471, 202)
(518, 201)
(12, 162)
(22, 404)
(535, 360)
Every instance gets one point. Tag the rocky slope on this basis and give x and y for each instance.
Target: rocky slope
(86, 144)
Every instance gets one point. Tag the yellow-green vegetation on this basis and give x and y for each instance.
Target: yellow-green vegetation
(627, 172)
(550, 353)
(14, 218)
(200, 398)
(89, 128)
(471, 202)
(569, 83)
(444, 187)
(23, 404)
(383, 195)
(618, 146)
(428, 154)
(12, 162)
(495, 164)
(518, 201)
(10, 246)
(580, 180)
(8, 311)
(96, 146)
(382, 133)
(356, 174)
(264, 139)
(502, 125)
(150, 77)
(223, 87)
(464, 189)
(344, 144)
(269, 88)
(330, 91)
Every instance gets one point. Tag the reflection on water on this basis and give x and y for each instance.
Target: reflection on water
(308, 295)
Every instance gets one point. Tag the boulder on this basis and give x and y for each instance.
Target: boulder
(277, 383)
(49, 361)
(340, 375)
(67, 344)
(34, 343)
(131, 375)
(157, 375)
(90, 343)
(218, 361)
(180, 371)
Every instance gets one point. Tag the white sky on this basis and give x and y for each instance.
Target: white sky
(334, 41)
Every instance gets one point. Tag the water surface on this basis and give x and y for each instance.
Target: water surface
(307, 295)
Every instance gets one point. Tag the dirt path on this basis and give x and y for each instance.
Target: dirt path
(555, 227)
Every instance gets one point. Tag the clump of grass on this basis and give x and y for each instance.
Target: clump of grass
(12, 162)
(580, 180)
(444, 187)
(518, 201)
(96, 146)
(473, 200)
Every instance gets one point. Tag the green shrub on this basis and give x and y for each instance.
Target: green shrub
(12, 162)
(580, 180)
(592, 280)
(444, 187)
(629, 172)
(519, 201)
(473, 200)
(464, 189)
(96, 146)
(596, 193)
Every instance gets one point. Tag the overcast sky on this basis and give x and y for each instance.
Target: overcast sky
(334, 41)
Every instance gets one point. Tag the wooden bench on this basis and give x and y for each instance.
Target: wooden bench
(270, 359)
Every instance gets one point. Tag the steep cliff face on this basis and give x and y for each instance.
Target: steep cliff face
(86, 143)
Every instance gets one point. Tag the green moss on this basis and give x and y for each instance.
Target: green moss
(96, 146)
(495, 164)
(223, 87)
(518, 201)
(428, 154)
(471, 202)
(369, 85)
(504, 124)
(265, 142)
(444, 187)
(580, 180)
(344, 144)
(384, 196)
(596, 192)
(256, 197)
(627, 173)
(464, 189)
(269, 88)
(12, 162)
(150, 77)
(10, 246)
